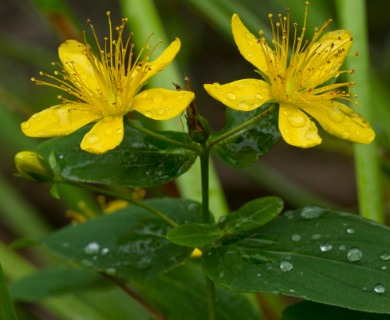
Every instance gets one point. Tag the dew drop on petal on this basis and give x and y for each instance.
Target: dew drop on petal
(26, 125)
(258, 96)
(216, 85)
(354, 254)
(93, 139)
(158, 98)
(148, 114)
(385, 256)
(108, 132)
(92, 248)
(336, 115)
(161, 111)
(380, 288)
(243, 105)
(345, 135)
(296, 237)
(286, 266)
(297, 121)
(231, 96)
(326, 247)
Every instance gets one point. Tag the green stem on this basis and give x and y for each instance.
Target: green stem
(214, 141)
(154, 134)
(366, 156)
(157, 213)
(206, 218)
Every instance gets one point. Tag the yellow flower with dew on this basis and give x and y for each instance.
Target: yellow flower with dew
(106, 87)
(299, 83)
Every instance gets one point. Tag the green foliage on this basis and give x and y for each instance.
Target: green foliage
(306, 309)
(6, 307)
(140, 160)
(194, 234)
(313, 253)
(246, 146)
(129, 243)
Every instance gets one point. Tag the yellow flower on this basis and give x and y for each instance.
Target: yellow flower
(106, 87)
(294, 83)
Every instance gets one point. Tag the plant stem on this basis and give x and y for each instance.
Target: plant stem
(206, 218)
(366, 156)
(156, 212)
(214, 141)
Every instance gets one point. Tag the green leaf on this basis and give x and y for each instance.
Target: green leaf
(251, 215)
(7, 310)
(55, 281)
(306, 310)
(313, 253)
(245, 147)
(140, 160)
(194, 234)
(129, 243)
(180, 294)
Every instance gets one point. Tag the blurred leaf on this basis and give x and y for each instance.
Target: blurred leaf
(252, 215)
(129, 243)
(246, 146)
(194, 234)
(313, 253)
(306, 310)
(186, 284)
(140, 160)
(55, 281)
(7, 310)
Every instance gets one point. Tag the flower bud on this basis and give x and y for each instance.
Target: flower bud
(32, 166)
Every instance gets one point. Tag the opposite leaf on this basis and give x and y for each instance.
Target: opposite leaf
(194, 234)
(313, 253)
(129, 243)
(249, 144)
(139, 161)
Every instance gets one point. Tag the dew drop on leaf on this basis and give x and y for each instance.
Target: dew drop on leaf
(379, 288)
(296, 237)
(110, 271)
(326, 247)
(286, 266)
(350, 230)
(354, 254)
(385, 256)
(309, 213)
(92, 248)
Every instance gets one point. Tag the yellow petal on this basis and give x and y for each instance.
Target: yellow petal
(58, 120)
(243, 95)
(163, 60)
(296, 127)
(77, 64)
(249, 46)
(325, 57)
(162, 104)
(341, 121)
(104, 135)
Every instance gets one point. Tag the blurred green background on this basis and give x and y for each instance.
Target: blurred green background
(31, 31)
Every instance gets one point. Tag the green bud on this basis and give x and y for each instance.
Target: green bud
(32, 166)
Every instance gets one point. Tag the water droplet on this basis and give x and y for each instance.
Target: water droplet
(93, 138)
(91, 248)
(336, 115)
(380, 288)
(345, 135)
(350, 230)
(65, 245)
(385, 256)
(243, 105)
(258, 96)
(161, 111)
(286, 266)
(148, 114)
(26, 125)
(216, 85)
(61, 156)
(297, 120)
(221, 275)
(342, 248)
(259, 274)
(108, 132)
(296, 237)
(104, 251)
(310, 213)
(316, 236)
(110, 271)
(354, 254)
(326, 247)
(231, 96)
(384, 268)
(248, 35)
